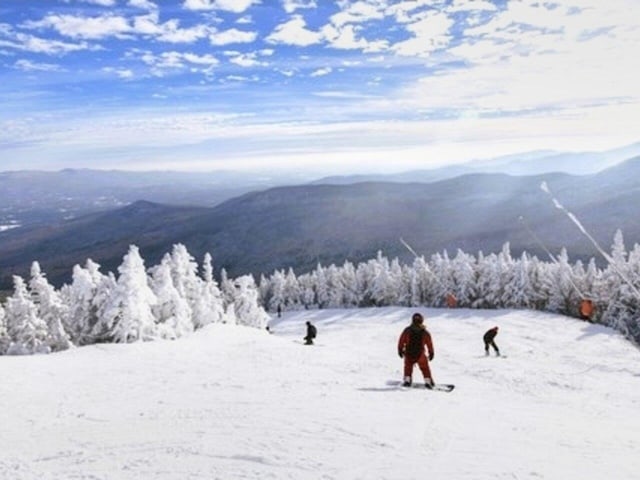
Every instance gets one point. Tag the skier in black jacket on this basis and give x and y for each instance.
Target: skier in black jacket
(488, 338)
(312, 331)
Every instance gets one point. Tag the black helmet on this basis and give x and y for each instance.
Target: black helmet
(417, 318)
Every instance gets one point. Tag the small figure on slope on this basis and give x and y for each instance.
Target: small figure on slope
(411, 347)
(312, 331)
(488, 338)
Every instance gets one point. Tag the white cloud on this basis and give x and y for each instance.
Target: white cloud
(407, 10)
(33, 44)
(29, 66)
(248, 59)
(431, 32)
(294, 32)
(102, 3)
(471, 6)
(286, 72)
(91, 28)
(345, 38)
(143, 4)
(232, 35)
(358, 12)
(291, 6)
(122, 73)
(176, 61)
(321, 72)
(245, 20)
(235, 6)
(170, 31)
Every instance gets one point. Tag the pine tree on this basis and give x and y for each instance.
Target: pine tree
(227, 288)
(246, 308)
(4, 336)
(27, 332)
(50, 308)
(209, 306)
(563, 298)
(79, 298)
(349, 282)
(308, 292)
(127, 315)
(277, 291)
(464, 281)
(421, 283)
(171, 311)
(334, 287)
(293, 296)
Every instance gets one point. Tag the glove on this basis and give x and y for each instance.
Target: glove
(400, 353)
(431, 356)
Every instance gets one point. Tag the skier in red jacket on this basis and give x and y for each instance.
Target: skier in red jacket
(411, 347)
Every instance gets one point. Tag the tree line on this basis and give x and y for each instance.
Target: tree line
(178, 296)
(168, 301)
(492, 281)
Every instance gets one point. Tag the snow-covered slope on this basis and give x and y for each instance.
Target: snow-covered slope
(238, 403)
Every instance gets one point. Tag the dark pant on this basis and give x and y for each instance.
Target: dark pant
(488, 344)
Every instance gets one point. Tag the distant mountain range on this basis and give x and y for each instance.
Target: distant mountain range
(300, 226)
(44, 198)
(530, 163)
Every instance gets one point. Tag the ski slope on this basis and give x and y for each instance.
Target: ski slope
(239, 403)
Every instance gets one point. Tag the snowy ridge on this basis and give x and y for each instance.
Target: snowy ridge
(235, 402)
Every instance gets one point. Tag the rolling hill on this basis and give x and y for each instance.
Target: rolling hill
(299, 226)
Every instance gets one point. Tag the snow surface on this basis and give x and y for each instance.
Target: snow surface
(232, 402)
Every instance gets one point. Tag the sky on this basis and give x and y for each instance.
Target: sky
(333, 86)
(562, 404)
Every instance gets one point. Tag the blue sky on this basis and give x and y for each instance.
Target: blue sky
(323, 85)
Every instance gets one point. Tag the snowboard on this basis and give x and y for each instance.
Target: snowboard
(438, 387)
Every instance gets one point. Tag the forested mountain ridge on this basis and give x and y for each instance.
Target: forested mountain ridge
(300, 226)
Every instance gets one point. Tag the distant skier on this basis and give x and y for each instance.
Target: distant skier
(488, 338)
(411, 347)
(312, 331)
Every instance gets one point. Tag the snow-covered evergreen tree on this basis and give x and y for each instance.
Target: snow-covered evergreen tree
(293, 297)
(4, 336)
(246, 308)
(27, 332)
(564, 298)
(171, 311)
(307, 288)
(209, 306)
(463, 278)
(517, 291)
(79, 298)
(127, 315)
(321, 287)
(277, 298)
(50, 308)
(184, 271)
(334, 287)
(226, 288)
(421, 283)
(349, 281)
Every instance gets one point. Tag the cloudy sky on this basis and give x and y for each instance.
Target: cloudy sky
(331, 85)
